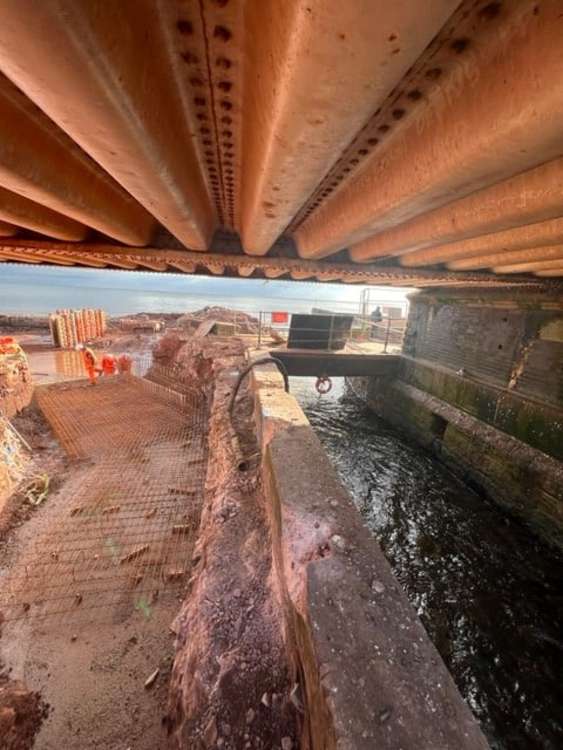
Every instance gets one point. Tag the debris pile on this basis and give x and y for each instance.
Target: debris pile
(13, 459)
(141, 323)
(71, 327)
(21, 714)
(242, 322)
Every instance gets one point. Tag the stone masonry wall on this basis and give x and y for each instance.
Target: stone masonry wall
(481, 384)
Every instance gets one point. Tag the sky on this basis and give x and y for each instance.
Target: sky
(35, 289)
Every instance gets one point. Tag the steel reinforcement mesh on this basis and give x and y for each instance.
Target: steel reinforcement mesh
(123, 530)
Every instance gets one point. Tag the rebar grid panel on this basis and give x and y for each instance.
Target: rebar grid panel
(125, 528)
(118, 414)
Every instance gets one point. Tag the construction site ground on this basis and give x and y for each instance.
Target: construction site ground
(92, 578)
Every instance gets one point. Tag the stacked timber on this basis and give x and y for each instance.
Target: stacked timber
(71, 327)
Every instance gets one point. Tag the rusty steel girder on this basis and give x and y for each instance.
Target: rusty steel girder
(551, 252)
(109, 74)
(494, 113)
(39, 162)
(532, 267)
(30, 215)
(316, 71)
(7, 229)
(556, 272)
(527, 237)
(533, 196)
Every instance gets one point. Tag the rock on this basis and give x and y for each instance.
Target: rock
(385, 714)
(287, 743)
(265, 700)
(378, 587)
(151, 679)
(250, 714)
(338, 541)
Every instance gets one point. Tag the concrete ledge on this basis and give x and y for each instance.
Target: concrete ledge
(315, 363)
(370, 676)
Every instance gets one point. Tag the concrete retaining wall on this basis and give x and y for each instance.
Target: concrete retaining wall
(481, 384)
(370, 677)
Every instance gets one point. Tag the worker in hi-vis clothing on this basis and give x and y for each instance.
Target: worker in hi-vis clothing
(109, 365)
(90, 362)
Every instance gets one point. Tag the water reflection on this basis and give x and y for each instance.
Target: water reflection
(488, 593)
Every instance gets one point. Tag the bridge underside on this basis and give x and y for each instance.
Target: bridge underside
(414, 144)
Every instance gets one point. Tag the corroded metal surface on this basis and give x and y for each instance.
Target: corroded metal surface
(321, 55)
(219, 264)
(528, 198)
(492, 113)
(530, 236)
(365, 128)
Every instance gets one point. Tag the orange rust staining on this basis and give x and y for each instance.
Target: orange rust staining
(275, 82)
(7, 230)
(140, 140)
(531, 197)
(405, 165)
(473, 135)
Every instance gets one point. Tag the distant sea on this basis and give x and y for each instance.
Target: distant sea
(33, 290)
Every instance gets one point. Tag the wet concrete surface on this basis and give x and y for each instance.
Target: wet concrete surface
(488, 593)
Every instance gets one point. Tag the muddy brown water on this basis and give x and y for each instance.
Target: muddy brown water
(488, 592)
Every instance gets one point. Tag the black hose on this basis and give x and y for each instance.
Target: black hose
(264, 361)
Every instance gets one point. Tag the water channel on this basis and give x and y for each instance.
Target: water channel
(489, 594)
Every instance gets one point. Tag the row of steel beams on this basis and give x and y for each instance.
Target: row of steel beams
(528, 237)
(102, 71)
(551, 252)
(316, 71)
(494, 110)
(429, 131)
(31, 215)
(533, 196)
(42, 164)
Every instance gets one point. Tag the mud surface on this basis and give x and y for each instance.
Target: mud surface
(489, 594)
(21, 714)
(88, 665)
(230, 686)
